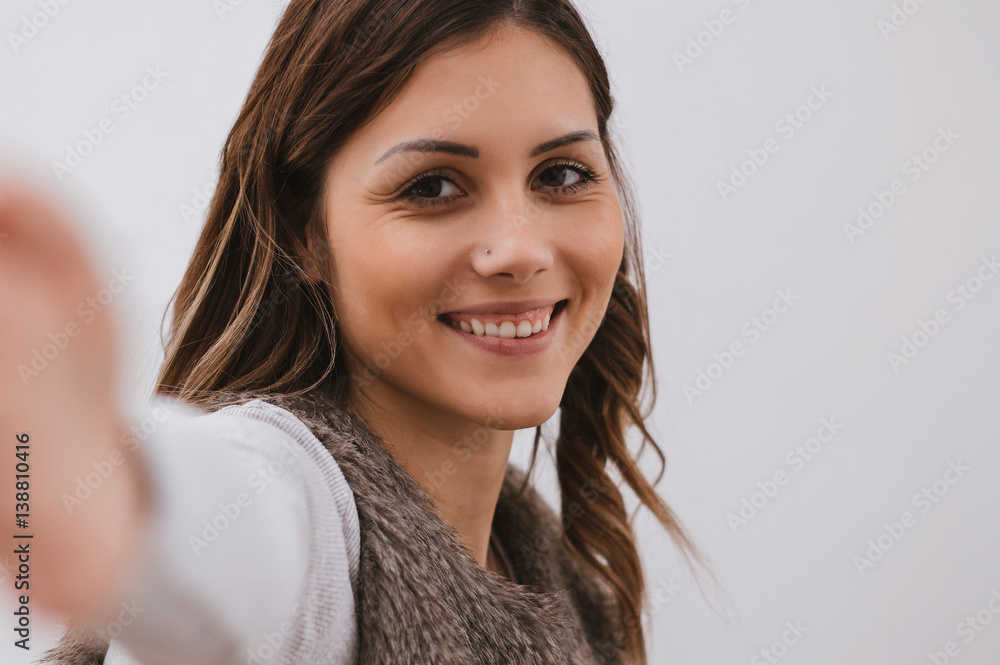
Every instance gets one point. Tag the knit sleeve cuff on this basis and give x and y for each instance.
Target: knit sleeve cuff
(247, 558)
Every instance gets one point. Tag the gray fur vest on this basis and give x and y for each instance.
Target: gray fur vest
(456, 612)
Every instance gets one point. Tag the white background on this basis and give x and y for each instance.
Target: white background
(712, 264)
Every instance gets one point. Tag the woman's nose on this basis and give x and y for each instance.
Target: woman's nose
(514, 232)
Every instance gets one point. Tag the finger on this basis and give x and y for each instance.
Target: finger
(35, 229)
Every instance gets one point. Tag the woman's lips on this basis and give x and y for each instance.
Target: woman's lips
(505, 326)
(511, 345)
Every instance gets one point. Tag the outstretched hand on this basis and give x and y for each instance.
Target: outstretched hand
(58, 412)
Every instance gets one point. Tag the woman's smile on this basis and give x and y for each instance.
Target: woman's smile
(525, 332)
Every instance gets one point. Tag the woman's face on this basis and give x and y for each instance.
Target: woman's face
(492, 145)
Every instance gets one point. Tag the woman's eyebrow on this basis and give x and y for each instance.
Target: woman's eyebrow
(452, 148)
(572, 137)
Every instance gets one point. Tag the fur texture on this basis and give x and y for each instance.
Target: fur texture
(78, 646)
(422, 599)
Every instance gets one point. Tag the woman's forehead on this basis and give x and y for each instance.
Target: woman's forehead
(521, 88)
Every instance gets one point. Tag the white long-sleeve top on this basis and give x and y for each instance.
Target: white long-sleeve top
(253, 547)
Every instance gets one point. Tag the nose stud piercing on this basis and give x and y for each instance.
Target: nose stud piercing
(487, 251)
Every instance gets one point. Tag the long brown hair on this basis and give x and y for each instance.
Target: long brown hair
(246, 317)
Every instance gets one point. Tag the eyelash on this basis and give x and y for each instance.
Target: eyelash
(587, 177)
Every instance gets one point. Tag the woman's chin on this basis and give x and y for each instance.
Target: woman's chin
(521, 412)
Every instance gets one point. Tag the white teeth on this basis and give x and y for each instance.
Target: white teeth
(506, 329)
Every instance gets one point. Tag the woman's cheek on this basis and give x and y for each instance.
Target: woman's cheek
(418, 322)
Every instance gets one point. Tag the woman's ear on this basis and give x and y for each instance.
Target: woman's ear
(310, 251)
(306, 229)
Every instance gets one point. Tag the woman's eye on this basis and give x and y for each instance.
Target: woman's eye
(565, 178)
(432, 187)
(559, 176)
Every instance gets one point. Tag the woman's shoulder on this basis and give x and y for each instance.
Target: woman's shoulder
(289, 437)
(269, 438)
(274, 451)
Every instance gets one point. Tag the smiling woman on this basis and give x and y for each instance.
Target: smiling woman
(424, 196)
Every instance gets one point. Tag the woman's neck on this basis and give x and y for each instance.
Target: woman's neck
(497, 562)
(459, 463)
